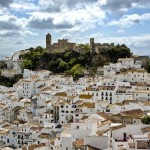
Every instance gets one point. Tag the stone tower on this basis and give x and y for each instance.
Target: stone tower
(92, 44)
(48, 42)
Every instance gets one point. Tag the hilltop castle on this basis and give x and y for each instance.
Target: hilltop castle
(64, 45)
(97, 47)
(61, 46)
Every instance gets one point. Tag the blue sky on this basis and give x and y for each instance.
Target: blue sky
(24, 23)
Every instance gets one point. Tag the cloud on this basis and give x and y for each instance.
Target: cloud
(58, 5)
(66, 36)
(22, 6)
(19, 33)
(19, 42)
(73, 21)
(46, 21)
(121, 6)
(138, 44)
(5, 3)
(129, 20)
(121, 31)
(96, 35)
(10, 22)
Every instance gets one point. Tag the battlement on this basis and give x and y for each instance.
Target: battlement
(61, 46)
(99, 46)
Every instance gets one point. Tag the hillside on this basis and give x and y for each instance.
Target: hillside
(70, 61)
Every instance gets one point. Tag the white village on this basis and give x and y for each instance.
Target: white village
(43, 111)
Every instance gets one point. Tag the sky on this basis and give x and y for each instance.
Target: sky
(24, 23)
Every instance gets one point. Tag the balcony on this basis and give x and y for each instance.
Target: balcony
(77, 111)
(139, 142)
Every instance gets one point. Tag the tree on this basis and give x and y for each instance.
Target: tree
(148, 67)
(26, 64)
(62, 66)
(77, 71)
(146, 120)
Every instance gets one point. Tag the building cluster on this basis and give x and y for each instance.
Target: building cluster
(13, 64)
(52, 112)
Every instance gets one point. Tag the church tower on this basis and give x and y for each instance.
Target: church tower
(48, 42)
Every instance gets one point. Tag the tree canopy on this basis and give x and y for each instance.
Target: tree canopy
(70, 61)
(146, 120)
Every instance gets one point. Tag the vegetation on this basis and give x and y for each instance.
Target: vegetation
(5, 81)
(116, 52)
(3, 65)
(148, 67)
(146, 120)
(70, 61)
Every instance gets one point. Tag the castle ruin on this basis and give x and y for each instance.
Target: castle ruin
(61, 46)
(98, 47)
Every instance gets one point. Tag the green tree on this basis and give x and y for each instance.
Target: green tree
(62, 66)
(26, 64)
(146, 120)
(72, 62)
(77, 71)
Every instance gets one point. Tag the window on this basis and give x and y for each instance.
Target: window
(107, 110)
(77, 127)
(62, 106)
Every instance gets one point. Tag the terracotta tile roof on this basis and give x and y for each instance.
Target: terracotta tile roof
(119, 104)
(78, 102)
(88, 105)
(34, 128)
(92, 148)
(101, 132)
(90, 88)
(106, 122)
(78, 143)
(136, 70)
(136, 113)
(145, 130)
(85, 96)
(118, 127)
(84, 117)
(34, 77)
(44, 136)
(46, 89)
(3, 132)
(63, 94)
(32, 147)
(7, 126)
(103, 114)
